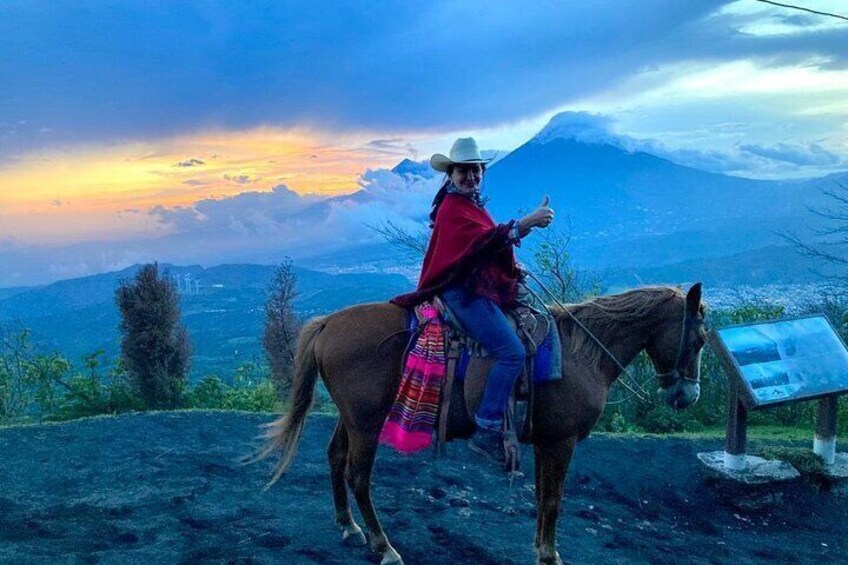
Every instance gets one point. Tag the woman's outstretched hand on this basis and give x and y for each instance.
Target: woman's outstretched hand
(540, 217)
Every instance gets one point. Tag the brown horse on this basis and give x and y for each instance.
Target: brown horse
(358, 353)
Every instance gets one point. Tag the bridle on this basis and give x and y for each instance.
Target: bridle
(677, 374)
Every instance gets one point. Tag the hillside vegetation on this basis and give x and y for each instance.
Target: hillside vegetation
(38, 387)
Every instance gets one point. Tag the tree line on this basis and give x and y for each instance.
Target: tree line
(151, 371)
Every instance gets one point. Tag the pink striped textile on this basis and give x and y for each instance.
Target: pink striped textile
(411, 421)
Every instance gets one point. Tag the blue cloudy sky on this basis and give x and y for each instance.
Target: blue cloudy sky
(115, 118)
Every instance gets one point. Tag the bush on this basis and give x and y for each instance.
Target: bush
(90, 394)
(46, 387)
(36, 387)
(208, 393)
(615, 422)
(257, 398)
(252, 390)
(85, 397)
(30, 384)
(625, 412)
(661, 419)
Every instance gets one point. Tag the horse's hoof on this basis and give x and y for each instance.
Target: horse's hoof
(354, 537)
(391, 557)
(552, 560)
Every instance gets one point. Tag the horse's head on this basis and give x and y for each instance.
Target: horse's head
(675, 349)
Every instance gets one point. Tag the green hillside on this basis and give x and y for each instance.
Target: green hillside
(224, 318)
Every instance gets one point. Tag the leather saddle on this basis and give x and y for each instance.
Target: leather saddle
(460, 400)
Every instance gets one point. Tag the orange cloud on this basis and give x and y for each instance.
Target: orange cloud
(74, 188)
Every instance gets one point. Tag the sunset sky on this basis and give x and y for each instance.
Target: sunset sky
(113, 115)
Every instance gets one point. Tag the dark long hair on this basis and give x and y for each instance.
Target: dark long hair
(440, 196)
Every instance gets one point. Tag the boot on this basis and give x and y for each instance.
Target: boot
(489, 444)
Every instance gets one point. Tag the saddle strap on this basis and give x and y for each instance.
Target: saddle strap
(530, 345)
(510, 440)
(526, 433)
(454, 352)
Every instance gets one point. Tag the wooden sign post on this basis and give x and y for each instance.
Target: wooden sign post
(736, 439)
(824, 444)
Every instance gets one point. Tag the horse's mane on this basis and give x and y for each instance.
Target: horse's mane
(604, 314)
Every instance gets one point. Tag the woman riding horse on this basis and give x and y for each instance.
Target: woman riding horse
(358, 352)
(470, 265)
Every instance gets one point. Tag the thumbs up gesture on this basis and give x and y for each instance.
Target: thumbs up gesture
(541, 217)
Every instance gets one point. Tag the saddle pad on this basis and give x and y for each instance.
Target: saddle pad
(542, 363)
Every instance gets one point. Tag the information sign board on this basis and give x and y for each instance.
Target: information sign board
(785, 360)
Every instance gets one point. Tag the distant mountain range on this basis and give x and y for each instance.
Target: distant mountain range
(634, 212)
(637, 209)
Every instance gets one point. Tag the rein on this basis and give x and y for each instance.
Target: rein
(636, 389)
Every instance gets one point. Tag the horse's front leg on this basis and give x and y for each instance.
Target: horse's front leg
(553, 460)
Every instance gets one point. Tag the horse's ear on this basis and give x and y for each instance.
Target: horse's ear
(693, 299)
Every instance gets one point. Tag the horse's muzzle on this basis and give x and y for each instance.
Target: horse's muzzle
(683, 394)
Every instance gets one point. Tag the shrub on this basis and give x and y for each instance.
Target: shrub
(89, 394)
(661, 419)
(614, 421)
(208, 393)
(30, 384)
(251, 390)
(256, 398)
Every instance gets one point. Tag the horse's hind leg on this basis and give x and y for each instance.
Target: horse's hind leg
(337, 454)
(361, 452)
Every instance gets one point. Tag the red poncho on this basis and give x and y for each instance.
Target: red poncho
(467, 247)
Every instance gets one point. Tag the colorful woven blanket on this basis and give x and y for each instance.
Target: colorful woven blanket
(410, 424)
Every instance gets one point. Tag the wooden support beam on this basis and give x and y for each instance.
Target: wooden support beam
(736, 440)
(824, 443)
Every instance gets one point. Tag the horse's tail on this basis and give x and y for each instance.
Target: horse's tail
(283, 434)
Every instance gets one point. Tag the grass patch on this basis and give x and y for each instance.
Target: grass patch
(770, 432)
(802, 459)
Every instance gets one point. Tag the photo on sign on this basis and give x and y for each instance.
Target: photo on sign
(788, 359)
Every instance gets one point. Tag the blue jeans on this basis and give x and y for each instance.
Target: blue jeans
(486, 323)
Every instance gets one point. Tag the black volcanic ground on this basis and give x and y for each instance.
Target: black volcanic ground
(166, 488)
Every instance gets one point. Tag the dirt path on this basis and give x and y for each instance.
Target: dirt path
(165, 488)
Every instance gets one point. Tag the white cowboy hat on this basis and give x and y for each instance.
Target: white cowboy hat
(464, 151)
